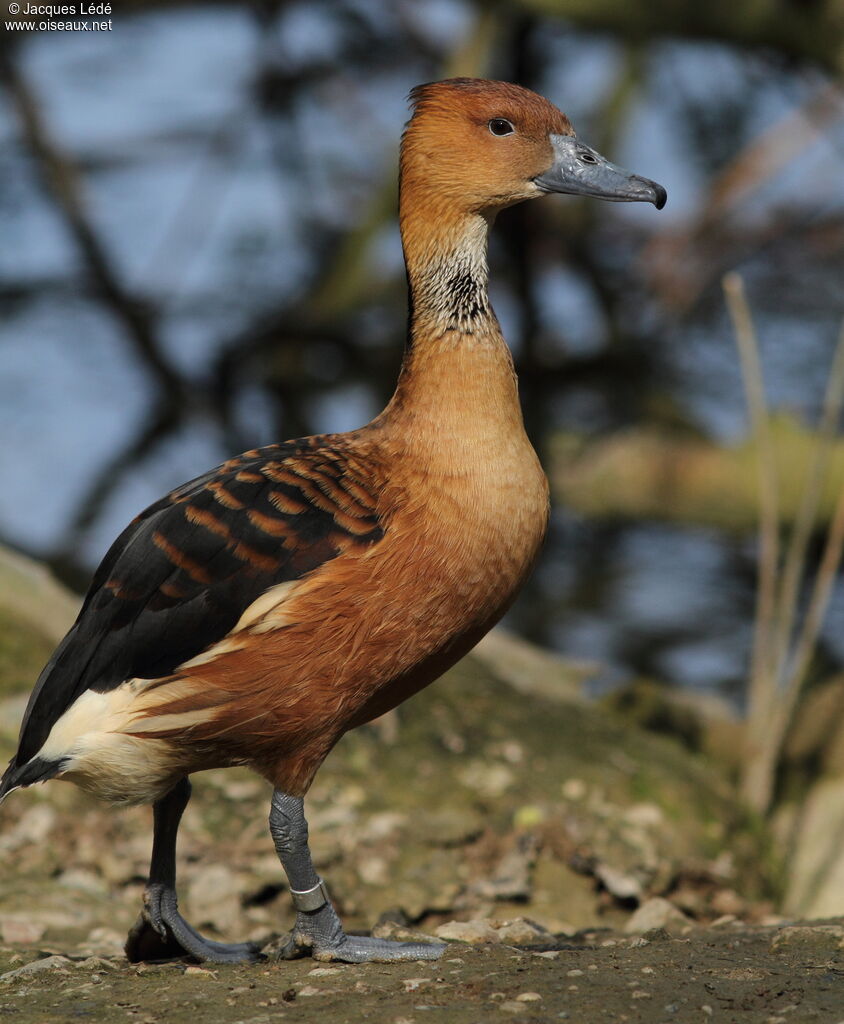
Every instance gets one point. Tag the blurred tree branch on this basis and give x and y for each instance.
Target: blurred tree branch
(808, 32)
(652, 475)
(137, 321)
(686, 260)
(62, 182)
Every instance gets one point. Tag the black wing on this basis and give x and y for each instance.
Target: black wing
(183, 572)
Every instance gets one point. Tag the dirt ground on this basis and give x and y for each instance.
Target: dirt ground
(750, 975)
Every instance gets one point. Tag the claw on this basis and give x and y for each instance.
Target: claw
(327, 942)
(151, 912)
(295, 950)
(161, 933)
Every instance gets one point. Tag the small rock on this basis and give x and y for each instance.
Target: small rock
(644, 815)
(84, 881)
(549, 954)
(21, 931)
(473, 932)
(512, 751)
(819, 938)
(491, 780)
(33, 826)
(323, 972)
(214, 898)
(374, 871)
(617, 883)
(412, 984)
(241, 789)
(745, 974)
(382, 825)
(446, 826)
(47, 963)
(511, 877)
(511, 1006)
(528, 997)
(309, 990)
(200, 972)
(728, 901)
(98, 963)
(656, 913)
(400, 933)
(574, 789)
(103, 942)
(520, 931)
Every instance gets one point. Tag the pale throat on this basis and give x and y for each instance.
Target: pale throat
(448, 275)
(457, 366)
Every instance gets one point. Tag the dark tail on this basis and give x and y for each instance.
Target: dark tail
(35, 770)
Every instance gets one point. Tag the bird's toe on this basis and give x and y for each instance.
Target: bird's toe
(360, 949)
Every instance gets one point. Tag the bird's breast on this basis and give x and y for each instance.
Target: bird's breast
(474, 525)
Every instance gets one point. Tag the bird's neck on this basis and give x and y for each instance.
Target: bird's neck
(446, 256)
(457, 374)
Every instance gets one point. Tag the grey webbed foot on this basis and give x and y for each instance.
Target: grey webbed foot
(319, 933)
(161, 933)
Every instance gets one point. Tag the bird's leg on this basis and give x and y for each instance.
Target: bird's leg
(318, 930)
(161, 933)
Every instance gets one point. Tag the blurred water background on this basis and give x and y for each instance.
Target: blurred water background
(227, 272)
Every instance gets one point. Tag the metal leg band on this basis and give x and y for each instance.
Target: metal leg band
(310, 899)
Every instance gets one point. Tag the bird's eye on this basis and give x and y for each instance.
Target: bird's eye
(499, 126)
(586, 157)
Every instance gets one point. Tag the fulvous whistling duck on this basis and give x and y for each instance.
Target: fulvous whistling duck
(258, 612)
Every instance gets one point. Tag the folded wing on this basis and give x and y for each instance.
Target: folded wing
(182, 574)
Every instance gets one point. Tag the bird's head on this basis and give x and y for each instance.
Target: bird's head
(484, 145)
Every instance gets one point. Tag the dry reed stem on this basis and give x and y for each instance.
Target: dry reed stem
(777, 679)
(804, 522)
(804, 649)
(762, 677)
(818, 604)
